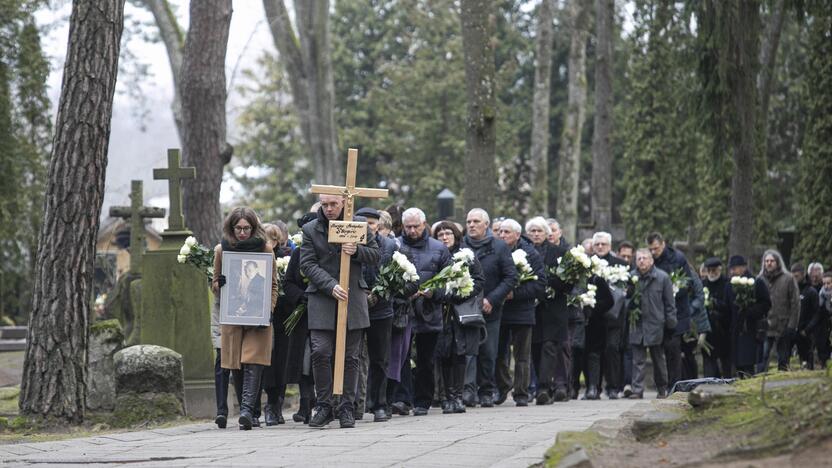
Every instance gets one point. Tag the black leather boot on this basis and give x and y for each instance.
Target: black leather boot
(278, 410)
(271, 417)
(303, 413)
(251, 387)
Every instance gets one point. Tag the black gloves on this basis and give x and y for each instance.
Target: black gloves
(221, 280)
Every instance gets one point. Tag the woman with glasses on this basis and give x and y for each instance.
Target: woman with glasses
(245, 350)
(456, 341)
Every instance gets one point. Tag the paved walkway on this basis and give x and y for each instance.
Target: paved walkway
(504, 436)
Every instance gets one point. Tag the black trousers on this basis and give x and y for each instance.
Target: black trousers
(716, 366)
(613, 360)
(453, 375)
(519, 337)
(323, 350)
(821, 342)
(378, 350)
(221, 385)
(690, 368)
(673, 356)
(423, 384)
(550, 359)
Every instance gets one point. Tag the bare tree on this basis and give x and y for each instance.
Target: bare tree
(174, 40)
(569, 167)
(54, 372)
(602, 134)
(481, 135)
(308, 63)
(204, 146)
(540, 109)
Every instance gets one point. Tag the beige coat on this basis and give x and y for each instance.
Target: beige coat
(245, 345)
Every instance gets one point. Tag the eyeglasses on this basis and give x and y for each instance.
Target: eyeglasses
(444, 234)
(242, 228)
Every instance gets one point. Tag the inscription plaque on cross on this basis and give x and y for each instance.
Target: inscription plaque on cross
(137, 214)
(339, 236)
(175, 174)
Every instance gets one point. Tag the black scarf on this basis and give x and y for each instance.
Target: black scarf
(252, 244)
(417, 243)
(477, 243)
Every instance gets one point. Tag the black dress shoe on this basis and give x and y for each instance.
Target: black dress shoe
(447, 407)
(458, 406)
(486, 401)
(521, 401)
(255, 422)
(323, 416)
(501, 399)
(543, 398)
(419, 411)
(400, 408)
(612, 395)
(560, 395)
(591, 394)
(221, 420)
(271, 418)
(662, 394)
(346, 417)
(380, 415)
(245, 421)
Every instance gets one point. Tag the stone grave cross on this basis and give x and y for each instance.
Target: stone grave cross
(137, 214)
(349, 192)
(175, 174)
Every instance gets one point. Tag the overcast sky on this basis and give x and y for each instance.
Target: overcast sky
(138, 145)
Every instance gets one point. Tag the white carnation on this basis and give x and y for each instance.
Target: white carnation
(466, 255)
(185, 250)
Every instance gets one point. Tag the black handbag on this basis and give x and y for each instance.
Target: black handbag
(469, 312)
(402, 310)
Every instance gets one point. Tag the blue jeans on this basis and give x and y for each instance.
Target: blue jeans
(487, 359)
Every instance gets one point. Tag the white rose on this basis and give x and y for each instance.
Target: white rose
(735, 280)
(749, 281)
(185, 250)
(190, 241)
(181, 258)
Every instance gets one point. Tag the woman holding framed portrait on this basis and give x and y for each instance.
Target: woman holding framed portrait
(245, 349)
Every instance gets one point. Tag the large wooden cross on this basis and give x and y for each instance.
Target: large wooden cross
(349, 192)
(137, 214)
(175, 174)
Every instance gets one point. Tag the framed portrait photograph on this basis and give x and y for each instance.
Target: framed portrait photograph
(246, 298)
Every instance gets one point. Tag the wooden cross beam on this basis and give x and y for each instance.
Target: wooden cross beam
(137, 214)
(175, 174)
(349, 192)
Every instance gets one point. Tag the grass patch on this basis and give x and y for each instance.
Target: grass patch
(8, 400)
(567, 442)
(770, 422)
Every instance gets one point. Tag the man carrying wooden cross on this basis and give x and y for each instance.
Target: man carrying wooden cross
(320, 261)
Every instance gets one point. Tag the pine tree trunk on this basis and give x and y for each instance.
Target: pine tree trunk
(174, 42)
(203, 116)
(569, 167)
(307, 59)
(480, 133)
(540, 110)
(743, 49)
(602, 136)
(54, 372)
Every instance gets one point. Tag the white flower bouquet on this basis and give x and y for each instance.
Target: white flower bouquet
(455, 278)
(297, 238)
(679, 280)
(575, 267)
(198, 255)
(743, 290)
(524, 269)
(280, 266)
(616, 275)
(585, 299)
(393, 276)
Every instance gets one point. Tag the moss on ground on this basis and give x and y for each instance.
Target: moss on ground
(134, 409)
(104, 325)
(8, 400)
(569, 441)
(776, 420)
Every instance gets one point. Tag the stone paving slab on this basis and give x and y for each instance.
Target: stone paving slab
(504, 436)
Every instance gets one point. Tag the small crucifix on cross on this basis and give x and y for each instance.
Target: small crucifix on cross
(349, 192)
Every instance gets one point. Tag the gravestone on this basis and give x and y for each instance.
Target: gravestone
(175, 300)
(148, 385)
(106, 338)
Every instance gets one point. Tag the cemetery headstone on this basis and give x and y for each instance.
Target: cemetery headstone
(106, 338)
(149, 385)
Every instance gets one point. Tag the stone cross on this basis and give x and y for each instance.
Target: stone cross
(349, 192)
(137, 214)
(175, 174)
